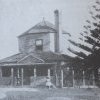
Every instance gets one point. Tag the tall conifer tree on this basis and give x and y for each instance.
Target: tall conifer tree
(90, 35)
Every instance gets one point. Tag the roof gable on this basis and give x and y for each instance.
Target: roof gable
(22, 58)
(42, 27)
(33, 58)
(29, 59)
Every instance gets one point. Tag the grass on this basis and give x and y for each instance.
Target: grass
(44, 94)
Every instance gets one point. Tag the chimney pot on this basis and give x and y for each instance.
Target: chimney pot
(56, 11)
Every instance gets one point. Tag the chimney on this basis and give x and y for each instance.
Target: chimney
(57, 40)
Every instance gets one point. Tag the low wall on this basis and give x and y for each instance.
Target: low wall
(40, 81)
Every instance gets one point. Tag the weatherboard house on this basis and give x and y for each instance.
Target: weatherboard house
(38, 57)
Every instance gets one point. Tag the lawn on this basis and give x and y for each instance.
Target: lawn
(55, 94)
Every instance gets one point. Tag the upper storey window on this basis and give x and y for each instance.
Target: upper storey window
(39, 44)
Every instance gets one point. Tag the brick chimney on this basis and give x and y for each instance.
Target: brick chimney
(57, 34)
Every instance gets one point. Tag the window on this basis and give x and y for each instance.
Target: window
(39, 44)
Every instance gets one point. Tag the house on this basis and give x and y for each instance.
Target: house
(39, 56)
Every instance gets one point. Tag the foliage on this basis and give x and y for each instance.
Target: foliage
(90, 37)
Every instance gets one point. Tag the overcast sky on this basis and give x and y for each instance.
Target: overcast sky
(17, 16)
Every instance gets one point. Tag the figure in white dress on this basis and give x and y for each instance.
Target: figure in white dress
(48, 82)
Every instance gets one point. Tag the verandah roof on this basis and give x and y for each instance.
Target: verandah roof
(28, 65)
(34, 58)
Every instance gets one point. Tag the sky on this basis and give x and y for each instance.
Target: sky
(17, 16)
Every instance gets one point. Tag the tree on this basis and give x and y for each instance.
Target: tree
(90, 46)
(90, 36)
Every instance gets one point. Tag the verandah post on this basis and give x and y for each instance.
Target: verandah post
(49, 72)
(22, 71)
(18, 73)
(61, 78)
(83, 78)
(35, 72)
(73, 78)
(12, 76)
(0, 72)
(93, 79)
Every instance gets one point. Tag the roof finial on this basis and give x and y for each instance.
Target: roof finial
(43, 19)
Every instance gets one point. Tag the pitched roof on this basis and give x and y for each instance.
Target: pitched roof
(43, 27)
(50, 56)
(33, 58)
(21, 58)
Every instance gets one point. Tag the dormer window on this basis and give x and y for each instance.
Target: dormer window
(39, 44)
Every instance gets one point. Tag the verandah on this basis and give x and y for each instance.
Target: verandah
(19, 75)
